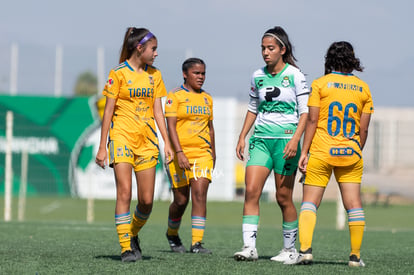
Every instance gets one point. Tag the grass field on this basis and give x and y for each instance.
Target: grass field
(55, 238)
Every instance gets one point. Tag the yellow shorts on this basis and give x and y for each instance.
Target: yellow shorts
(120, 152)
(318, 172)
(180, 178)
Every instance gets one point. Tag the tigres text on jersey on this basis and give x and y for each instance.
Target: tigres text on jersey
(133, 119)
(194, 112)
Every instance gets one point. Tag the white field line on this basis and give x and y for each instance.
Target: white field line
(70, 226)
(50, 207)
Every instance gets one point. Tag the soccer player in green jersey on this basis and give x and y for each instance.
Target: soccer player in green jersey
(278, 110)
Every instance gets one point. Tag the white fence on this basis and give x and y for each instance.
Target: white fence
(390, 140)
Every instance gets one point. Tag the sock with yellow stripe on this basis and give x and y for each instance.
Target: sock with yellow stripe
(356, 223)
(307, 222)
(138, 221)
(123, 227)
(173, 226)
(198, 225)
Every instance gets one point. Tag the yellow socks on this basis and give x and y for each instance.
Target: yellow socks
(356, 223)
(307, 222)
(138, 221)
(123, 227)
(173, 226)
(198, 225)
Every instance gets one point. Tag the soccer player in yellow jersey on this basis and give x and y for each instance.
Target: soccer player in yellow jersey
(189, 113)
(133, 102)
(340, 107)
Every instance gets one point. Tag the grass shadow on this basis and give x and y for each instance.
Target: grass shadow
(118, 257)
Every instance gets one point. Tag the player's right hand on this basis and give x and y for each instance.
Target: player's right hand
(240, 149)
(101, 158)
(303, 163)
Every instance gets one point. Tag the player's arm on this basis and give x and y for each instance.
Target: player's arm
(252, 110)
(302, 96)
(172, 131)
(102, 155)
(212, 140)
(310, 129)
(292, 146)
(363, 128)
(160, 119)
(247, 125)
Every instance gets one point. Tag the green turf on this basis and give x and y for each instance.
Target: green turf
(55, 239)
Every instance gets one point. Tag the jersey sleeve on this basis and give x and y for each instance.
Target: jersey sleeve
(171, 105)
(254, 97)
(369, 105)
(112, 85)
(160, 90)
(211, 108)
(314, 96)
(302, 93)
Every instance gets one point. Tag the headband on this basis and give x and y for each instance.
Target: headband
(147, 37)
(275, 36)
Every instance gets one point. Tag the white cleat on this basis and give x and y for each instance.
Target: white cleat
(304, 258)
(355, 262)
(247, 254)
(286, 254)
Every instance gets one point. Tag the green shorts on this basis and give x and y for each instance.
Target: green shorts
(269, 153)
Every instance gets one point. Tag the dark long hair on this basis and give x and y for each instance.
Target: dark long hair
(132, 37)
(288, 57)
(341, 57)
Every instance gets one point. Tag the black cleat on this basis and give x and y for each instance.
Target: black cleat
(198, 248)
(128, 256)
(135, 247)
(175, 243)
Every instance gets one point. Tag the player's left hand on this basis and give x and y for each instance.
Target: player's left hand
(290, 150)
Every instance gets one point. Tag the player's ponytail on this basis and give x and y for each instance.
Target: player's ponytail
(282, 39)
(133, 37)
(340, 57)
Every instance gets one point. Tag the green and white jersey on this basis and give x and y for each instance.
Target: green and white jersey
(278, 100)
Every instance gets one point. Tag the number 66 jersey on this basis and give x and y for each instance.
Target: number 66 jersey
(278, 101)
(342, 98)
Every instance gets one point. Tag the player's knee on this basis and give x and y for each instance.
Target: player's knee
(145, 205)
(283, 200)
(199, 195)
(124, 197)
(252, 191)
(252, 197)
(180, 202)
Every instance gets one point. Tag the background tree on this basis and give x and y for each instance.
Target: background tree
(86, 84)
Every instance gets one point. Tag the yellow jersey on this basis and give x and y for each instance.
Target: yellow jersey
(133, 119)
(342, 98)
(194, 112)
